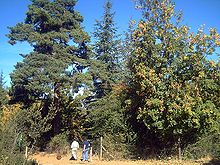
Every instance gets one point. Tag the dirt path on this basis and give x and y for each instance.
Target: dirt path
(50, 159)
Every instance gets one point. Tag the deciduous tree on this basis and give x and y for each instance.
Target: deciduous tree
(172, 84)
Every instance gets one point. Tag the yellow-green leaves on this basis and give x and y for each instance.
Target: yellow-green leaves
(174, 88)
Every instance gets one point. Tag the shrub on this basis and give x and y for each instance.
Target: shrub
(59, 144)
(208, 145)
(9, 153)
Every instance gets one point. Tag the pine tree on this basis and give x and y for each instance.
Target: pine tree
(106, 115)
(53, 29)
(105, 70)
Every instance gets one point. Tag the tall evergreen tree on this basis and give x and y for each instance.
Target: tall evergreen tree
(53, 29)
(106, 52)
(105, 111)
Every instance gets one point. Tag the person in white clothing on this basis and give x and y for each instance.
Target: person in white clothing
(74, 147)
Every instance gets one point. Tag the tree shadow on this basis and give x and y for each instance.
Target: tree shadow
(213, 162)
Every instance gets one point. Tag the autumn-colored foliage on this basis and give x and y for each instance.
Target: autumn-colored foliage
(173, 84)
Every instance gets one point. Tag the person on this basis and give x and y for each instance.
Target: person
(74, 147)
(86, 146)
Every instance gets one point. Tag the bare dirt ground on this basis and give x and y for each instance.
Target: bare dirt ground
(50, 159)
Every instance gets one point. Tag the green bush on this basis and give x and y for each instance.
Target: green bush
(114, 147)
(59, 144)
(10, 154)
(208, 145)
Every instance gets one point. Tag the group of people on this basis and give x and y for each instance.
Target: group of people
(75, 147)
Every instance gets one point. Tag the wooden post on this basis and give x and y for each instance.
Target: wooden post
(26, 155)
(90, 154)
(26, 152)
(100, 156)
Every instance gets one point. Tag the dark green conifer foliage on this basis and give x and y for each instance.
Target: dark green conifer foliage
(106, 115)
(53, 29)
(107, 53)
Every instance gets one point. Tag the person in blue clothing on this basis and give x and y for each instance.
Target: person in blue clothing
(86, 146)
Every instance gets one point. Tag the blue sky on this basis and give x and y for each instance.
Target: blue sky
(195, 13)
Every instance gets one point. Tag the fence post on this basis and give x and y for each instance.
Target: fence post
(26, 152)
(90, 154)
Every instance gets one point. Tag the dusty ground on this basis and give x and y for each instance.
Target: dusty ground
(50, 159)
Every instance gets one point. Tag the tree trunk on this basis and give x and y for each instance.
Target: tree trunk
(56, 103)
(179, 149)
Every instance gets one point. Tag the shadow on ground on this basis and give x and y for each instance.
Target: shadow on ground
(213, 162)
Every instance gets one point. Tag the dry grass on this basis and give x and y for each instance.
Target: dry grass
(51, 159)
